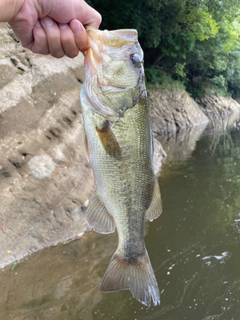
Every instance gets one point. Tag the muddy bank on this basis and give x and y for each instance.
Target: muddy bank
(45, 179)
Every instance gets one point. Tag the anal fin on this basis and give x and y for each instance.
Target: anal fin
(97, 216)
(155, 208)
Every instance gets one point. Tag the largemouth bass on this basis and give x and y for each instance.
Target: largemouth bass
(119, 148)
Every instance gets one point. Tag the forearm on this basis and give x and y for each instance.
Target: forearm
(9, 8)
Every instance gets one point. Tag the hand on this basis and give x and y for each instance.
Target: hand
(54, 27)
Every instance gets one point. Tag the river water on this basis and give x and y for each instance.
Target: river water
(193, 246)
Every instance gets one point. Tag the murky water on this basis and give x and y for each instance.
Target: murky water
(194, 248)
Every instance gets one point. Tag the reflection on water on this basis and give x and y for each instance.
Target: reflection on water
(193, 246)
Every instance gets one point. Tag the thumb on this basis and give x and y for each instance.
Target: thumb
(89, 16)
(80, 35)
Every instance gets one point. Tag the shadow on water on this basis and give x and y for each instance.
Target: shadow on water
(193, 246)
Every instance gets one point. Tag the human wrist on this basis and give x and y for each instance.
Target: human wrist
(9, 9)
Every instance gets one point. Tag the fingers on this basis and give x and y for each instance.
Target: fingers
(42, 34)
(59, 39)
(53, 36)
(80, 35)
(39, 44)
(67, 40)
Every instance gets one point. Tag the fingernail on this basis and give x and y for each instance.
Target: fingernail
(47, 21)
(38, 24)
(63, 26)
(76, 27)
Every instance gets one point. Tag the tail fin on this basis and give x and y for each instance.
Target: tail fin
(137, 277)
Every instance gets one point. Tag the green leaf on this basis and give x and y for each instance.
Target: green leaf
(15, 264)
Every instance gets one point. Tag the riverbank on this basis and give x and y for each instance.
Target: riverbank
(45, 179)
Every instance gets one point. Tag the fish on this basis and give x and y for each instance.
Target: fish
(119, 147)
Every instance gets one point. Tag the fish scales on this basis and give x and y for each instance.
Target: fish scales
(120, 194)
(119, 145)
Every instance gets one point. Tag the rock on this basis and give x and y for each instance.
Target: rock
(173, 111)
(158, 156)
(179, 147)
(222, 111)
(237, 99)
(42, 166)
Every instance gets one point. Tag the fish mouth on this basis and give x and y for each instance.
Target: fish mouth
(101, 42)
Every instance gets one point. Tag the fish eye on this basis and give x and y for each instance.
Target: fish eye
(136, 61)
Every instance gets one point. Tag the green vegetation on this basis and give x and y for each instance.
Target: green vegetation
(194, 42)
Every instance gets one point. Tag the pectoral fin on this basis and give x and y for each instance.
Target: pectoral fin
(155, 208)
(109, 140)
(97, 216)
